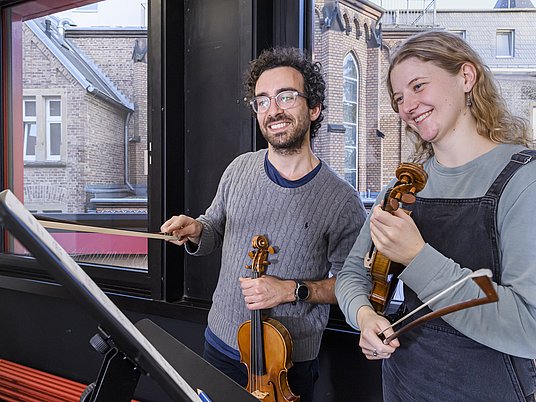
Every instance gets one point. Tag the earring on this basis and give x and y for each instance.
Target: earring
(468, 100)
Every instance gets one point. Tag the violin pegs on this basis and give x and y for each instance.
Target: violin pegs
(408, 198)
(393, 202)
(251, 254)
(248, 266)
(271, 250)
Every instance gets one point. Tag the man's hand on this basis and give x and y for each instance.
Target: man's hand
(184, 228)
(267, 292)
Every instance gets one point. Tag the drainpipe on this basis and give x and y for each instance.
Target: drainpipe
(127, 172)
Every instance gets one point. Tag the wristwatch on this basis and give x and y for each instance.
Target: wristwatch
(301, 291)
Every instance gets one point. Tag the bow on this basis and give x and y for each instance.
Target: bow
(481, 277)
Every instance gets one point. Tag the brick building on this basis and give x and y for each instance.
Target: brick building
(351, 31)
(85, 118)
(346, 43)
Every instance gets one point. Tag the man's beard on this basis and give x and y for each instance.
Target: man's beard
(293, 137)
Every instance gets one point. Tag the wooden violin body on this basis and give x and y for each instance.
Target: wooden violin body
(265, 345)
(269, 383)
(384, 272)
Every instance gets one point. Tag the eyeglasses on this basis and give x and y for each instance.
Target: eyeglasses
(285, 100)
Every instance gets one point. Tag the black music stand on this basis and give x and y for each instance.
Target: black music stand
(130, 352)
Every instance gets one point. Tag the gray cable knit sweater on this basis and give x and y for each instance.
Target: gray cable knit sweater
(313, 227)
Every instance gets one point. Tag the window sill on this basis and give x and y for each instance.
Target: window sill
(191, 311)
(40, 164)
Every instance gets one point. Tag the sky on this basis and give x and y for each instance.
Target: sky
(465, 4)
(451, 4)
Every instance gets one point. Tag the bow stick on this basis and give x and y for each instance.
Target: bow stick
(95, 229)
(482, 279)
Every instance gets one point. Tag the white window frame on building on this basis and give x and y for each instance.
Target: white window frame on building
(505, 43)
(46, 120)
(351, 139)
(533, 121)
(53, 119)
(30, 128)
(462, 33)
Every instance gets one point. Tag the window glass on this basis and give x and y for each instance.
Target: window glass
(351, 135)
(350, 88)
(505, 43)
(54, 108)
(82, 155)
(30, 129)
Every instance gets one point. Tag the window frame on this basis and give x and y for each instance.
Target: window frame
(43, 120)
(32, 121)
(355, 124)
(510, 34)
(24, 270)
(49, 121)
(533, 120)
(462, 33)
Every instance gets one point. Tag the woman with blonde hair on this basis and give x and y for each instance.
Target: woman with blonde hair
(475, 211)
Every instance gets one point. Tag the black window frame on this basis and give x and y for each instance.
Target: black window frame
(164, 288)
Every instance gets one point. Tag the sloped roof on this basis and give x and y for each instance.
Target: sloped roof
(82, 68)
(514, 4)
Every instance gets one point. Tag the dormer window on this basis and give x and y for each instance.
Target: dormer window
(505, 43)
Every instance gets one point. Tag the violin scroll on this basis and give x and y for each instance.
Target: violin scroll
(260, 256)
(411, 179)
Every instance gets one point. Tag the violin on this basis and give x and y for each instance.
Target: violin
(411, 178)
(265, 345)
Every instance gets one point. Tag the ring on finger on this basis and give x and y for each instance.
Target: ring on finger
(374, 353)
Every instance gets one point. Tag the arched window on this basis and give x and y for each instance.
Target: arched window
(350, 118)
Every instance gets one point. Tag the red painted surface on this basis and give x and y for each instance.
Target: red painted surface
(97, 243)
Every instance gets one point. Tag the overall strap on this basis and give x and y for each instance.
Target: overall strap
(517, 161)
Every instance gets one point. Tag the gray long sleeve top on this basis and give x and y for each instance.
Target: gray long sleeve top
(508, 325)
(314, 227)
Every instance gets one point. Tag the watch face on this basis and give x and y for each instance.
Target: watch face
(303, 291)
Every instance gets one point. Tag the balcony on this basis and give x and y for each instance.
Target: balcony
(408, 13)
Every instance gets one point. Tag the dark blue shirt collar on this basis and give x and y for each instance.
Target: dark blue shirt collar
(274, 175)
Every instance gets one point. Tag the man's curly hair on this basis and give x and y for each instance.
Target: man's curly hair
(314, 84)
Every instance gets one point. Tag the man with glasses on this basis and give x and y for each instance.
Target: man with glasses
(307, 212)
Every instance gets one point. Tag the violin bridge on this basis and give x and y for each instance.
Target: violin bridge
(259, 394)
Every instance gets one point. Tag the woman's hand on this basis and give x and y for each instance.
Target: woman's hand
(371, 324)
(395, 235)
